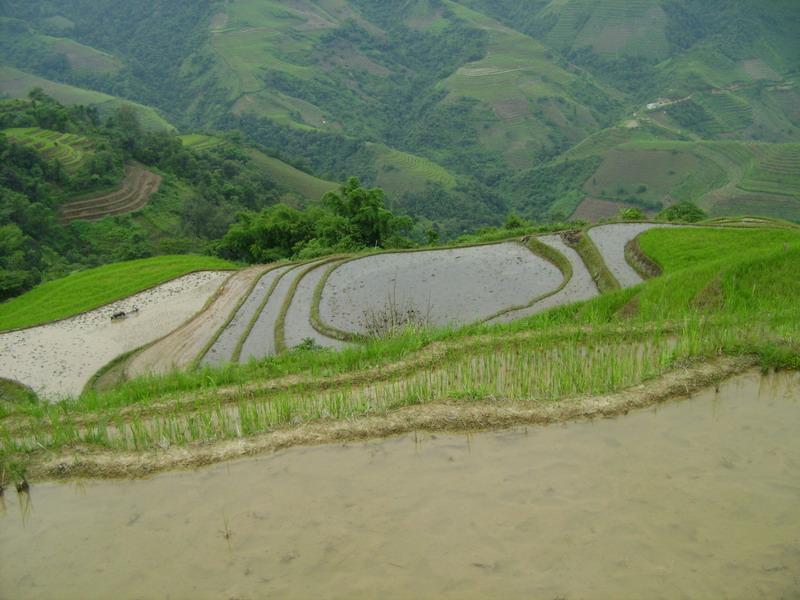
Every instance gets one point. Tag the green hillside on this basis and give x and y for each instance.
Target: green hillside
(17, 84)
(462, 110)
(286, 176)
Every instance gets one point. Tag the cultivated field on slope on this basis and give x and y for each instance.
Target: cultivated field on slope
(254, 318)
(611, 27)
(399, 172)
(653, 174)
(724, 177)
(57, 360)
(292, 178)
(611, 240)
(454, 286)
(523, 93)
(285, 175)
(182, 348)
(83, 58)
(776, 170)
(87, 290)
(581, 285)
(199, 141)
(69, 149)
(137, 187)
(475, 376)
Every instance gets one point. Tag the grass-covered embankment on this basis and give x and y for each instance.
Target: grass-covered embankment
(728, 293)
(90, 289)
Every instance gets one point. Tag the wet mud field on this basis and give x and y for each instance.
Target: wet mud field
(692, 498)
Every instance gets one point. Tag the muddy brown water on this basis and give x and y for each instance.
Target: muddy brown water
(691, 499)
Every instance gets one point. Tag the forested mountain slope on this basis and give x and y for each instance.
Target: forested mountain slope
(463, 110)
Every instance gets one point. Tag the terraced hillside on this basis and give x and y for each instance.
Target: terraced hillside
(68, 149)
(715, 310)
(137, 187)
(401, 172)
(609, 27)
(338, 301)
(724, 177)
(776, 170)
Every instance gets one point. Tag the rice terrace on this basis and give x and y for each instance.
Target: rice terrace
(431, 299)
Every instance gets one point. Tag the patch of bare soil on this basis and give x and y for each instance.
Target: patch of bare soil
(593, 210)
(711, 297)
(449, 416)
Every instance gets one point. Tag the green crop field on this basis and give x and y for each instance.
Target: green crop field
(93, 288)
(68, 149)
(400, 172)
(197, 141)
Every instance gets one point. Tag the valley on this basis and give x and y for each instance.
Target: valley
(433, 298)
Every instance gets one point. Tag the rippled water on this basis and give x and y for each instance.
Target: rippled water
(693, 499)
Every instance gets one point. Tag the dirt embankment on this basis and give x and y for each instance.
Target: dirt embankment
(182, 347)
(137, 188)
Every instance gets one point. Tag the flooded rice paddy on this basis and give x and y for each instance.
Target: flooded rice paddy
(450, 286)
(697, 498)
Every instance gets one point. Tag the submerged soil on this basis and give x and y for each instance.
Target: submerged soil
(223, 348)
(580, 287)
(181, 348)
(451, 286)
(696, 498)
(611, 240)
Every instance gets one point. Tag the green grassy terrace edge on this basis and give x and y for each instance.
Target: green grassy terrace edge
(106, 273)
(645, 266)
(593, 260)
(535, 246)
(280, 322)
(213, 340)
(237, 350)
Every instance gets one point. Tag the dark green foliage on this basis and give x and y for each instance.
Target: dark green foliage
(631, 214)
(687, 212)
(351, 219)
(694, 117)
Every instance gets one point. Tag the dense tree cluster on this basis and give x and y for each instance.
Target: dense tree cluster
(353, 218)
